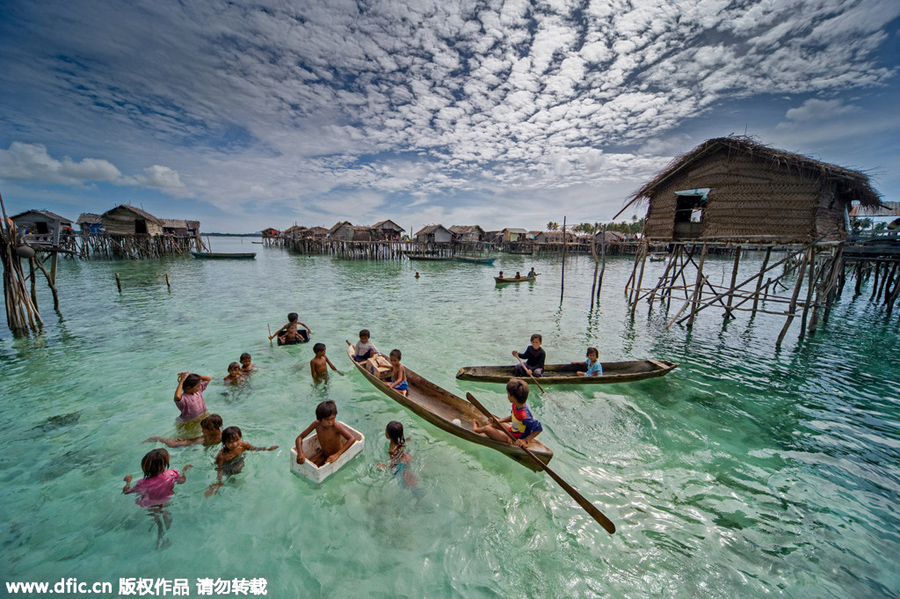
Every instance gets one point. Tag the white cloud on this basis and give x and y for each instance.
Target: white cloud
(819, 109)
(32, 162)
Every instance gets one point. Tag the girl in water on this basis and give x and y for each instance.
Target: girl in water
(400, 459)
(156, 488)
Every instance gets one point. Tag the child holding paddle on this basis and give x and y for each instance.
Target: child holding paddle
(534, 358)
(523, 426)
(290, 334)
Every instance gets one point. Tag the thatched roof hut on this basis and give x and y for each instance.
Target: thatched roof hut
(128, 220)
(467, 233)
(90, 223)
(386, 230)
(434, 234)
(734, 189)
(174, 226)
(41, 226)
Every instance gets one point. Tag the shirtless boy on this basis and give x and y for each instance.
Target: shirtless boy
(334, 438)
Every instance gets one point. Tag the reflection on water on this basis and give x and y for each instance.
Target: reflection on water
(747, 471)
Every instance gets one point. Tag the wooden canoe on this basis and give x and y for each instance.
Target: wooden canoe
(514, 280)
(568, 374)
(440, 407)
(429, 257)
(224, 255)
(474, 259)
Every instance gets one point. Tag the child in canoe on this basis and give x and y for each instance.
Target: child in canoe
(189, 395)
(364, 348)
(230, 459)
(534, 358)
(398, 380)
(320, 363)
(334, 438)
(210, 434)
(523, 426)
(594, 368)
(290, 334)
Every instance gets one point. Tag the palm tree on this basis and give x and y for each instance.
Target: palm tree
(552, 226)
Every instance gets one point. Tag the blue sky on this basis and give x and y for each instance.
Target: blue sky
(498, 113)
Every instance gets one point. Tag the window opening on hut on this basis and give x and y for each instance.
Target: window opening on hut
(689, 207)
(41, 228)
(140, 227)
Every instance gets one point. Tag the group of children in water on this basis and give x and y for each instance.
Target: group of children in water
(334, 438)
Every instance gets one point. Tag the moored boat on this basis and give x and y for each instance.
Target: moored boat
(429, 257)
(569, 374)
(449, 412)
(224, 255)
(474, 259)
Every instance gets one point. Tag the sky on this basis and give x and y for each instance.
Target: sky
(504, 113)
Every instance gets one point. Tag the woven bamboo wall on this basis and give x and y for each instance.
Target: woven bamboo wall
(749, 197)
(120, 221)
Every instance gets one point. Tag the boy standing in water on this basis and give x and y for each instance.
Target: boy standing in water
(334, 438)
(523, 426)
(320, 363)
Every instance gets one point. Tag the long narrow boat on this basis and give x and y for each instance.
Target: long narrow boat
(474, 259)
(224, 255)
(429, 257)
(450, 413)
(569, 374)
(515, 280)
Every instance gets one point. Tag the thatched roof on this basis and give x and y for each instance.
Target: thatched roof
(88, 218)
(174, 223)
(430, 229)
(388, 224)
(466, 229)
(339, 225)
(137, 212)
(46, 214)
(851, 185)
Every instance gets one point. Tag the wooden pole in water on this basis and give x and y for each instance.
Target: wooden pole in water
(167, 282)
(698, 285)
(793, 305)
(759, 280)
(562, 282)
(734, 273)
(596, 264)
(637, 293)
(118, 283)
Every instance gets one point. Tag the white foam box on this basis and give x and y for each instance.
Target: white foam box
(311, 448)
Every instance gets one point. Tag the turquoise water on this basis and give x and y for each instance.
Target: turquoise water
(747, 472)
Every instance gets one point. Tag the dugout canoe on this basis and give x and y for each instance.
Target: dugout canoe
(474, 259)
(224, 255)
(440, 407)
(515, 280)
(567, 374)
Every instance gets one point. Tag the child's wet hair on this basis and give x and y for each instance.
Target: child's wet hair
(318, 347)
(538, 337)
(234, 365)
(395, 353)
(394, 431)
(326, 409)
(213, 422)
(191, 380)
(293, 316)
(231, 433)
(245, 356)
(592, 349)
(364, 333)
(155, 462)
(518, 390)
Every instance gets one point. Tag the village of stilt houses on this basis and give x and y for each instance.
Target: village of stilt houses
(812, 222)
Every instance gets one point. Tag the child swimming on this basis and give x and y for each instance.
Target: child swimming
(156, 488)
(189, 395)
(399, 458)
(235, 374)
(230, 459)
(247, 365)
(210, 434)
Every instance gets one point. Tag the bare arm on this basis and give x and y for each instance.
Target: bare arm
(332, 366)
(127, 486)
(176, 442)
(181, 477)
(305, 326)
(178, 389)
(301, 457)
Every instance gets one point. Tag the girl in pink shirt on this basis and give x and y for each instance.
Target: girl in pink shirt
(157, 487)
(189, 395)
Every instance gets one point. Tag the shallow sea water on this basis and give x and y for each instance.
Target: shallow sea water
(747, 472)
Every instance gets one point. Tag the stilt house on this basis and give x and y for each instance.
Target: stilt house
(90, 224)
(733, 189)
(128, 220)
(41, 227)
(387, 230)
(434, 234)
(467, 233)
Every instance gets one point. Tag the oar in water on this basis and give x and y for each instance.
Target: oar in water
(558, 405)
(270, 333)
(589, 507)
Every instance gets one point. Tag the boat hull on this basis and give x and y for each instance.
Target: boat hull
(568, 374)
(504, 280)
(440, 407)
(223, 256)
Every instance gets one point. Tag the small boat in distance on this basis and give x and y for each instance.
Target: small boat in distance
(474, 259)
(658, 257)
(449, 412)
(501, 280)
(224, 255)
(432, 257)
(569, 374)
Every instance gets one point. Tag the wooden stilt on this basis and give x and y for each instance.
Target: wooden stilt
(793, 304)
(734, 273)
(695, 301)
(637, 291)
(759, 280)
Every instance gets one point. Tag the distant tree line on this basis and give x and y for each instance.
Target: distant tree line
(628, 228)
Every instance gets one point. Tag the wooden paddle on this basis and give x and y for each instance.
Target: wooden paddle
(270, 333)
(558, 405)
(589, 507)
